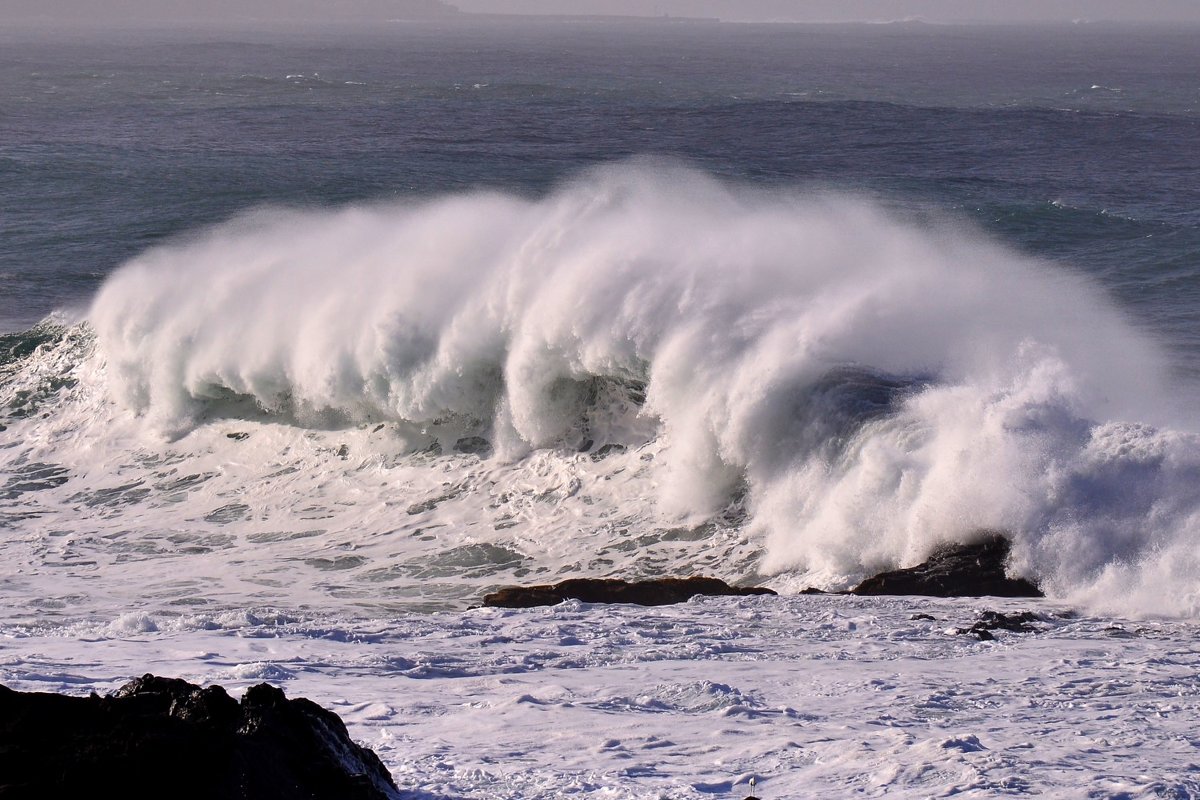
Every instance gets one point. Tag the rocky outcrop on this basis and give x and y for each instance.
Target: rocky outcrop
(163, 737)
(961, 570)
(1019, 622)
(660, 592)
(957, 570)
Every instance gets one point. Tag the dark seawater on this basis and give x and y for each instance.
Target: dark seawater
(1073, 143)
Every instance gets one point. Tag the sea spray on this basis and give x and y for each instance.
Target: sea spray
(871, 384)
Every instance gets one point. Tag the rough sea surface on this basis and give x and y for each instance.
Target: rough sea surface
(310, 338)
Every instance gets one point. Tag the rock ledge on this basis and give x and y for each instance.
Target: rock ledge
(660, 592)
(961, 570)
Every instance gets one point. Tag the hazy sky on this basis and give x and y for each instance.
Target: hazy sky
(826, 10)
(120, 11)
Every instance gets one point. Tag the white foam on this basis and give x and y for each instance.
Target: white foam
(875, 383)
(807, 696)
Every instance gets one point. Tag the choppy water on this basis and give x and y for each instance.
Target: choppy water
(387, 319)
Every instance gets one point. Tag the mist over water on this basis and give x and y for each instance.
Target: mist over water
(863, 384)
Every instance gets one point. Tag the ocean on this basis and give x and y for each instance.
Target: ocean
(309, 338)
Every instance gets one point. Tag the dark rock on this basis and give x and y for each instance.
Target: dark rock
(997, 621)
(961, 570)
(982, 634)
(473, 445)
(660, 592)
(163, 737)
(605, 450)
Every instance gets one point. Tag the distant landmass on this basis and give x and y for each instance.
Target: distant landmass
(216, 12)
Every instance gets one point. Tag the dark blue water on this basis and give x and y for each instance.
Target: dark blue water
(1075, 143)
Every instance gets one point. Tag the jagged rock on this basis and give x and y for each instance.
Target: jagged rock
(164, 737)
(963, 570)
(660, 592)
(473, 445)
(998, 621)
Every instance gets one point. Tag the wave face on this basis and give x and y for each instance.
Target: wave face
(801, 384)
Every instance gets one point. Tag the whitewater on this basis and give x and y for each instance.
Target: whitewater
(647, 371)
(300, 445)
(342, 329)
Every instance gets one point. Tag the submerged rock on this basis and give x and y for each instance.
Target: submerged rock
(164, 737)
(1020, 622)
(659, 592)
(960, 570)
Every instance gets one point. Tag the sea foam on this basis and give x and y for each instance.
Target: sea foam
(872, 382)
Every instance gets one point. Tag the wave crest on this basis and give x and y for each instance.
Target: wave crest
(879, 385)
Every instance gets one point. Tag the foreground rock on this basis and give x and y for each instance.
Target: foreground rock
(660, 592)
(163, 737)
(965, 570)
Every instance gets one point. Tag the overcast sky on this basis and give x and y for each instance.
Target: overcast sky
(111, 12)
(872, 10)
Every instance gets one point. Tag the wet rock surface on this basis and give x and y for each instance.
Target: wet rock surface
(164, 737)
(1020, 622)
(659, 592)
(968, 570)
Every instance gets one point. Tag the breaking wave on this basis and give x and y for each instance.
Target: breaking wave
(864, 382)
